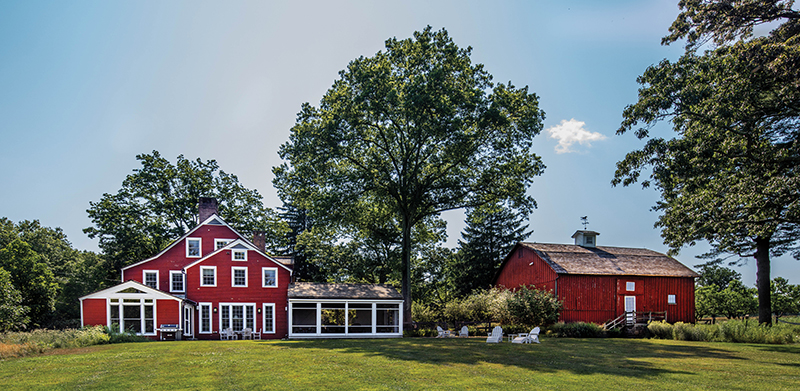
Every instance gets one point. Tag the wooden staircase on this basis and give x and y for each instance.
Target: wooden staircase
(632, 319)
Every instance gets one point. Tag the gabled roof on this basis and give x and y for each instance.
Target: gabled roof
(132, 287)
(311, 290)
(603, 260)
(214, 219)
(239, 244)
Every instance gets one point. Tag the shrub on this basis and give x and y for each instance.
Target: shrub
(421, 312)
(744, 331)
(531, 306)
(687, 332)
(576, 330)
(660, 330)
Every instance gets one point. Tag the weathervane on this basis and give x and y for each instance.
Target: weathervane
(585, 222)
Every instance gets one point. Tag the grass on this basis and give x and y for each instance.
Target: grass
(410, 364)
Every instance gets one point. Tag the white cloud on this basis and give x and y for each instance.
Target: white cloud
(570, 132)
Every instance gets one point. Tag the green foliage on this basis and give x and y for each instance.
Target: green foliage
(717, 275)
(576, 330)
(31, 277)
(730, 176)
(13, 315)
(158, 204)
(534, 307)
(735, 301)
(785, 297)
(492, 231)
(61, 273)
(743, 331)
(406, 134)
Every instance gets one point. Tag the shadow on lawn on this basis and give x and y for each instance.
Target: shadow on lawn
(621, 357)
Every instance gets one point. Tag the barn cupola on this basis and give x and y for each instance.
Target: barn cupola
(585, 238)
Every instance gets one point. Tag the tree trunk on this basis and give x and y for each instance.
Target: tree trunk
(406, 259)
(762, 281)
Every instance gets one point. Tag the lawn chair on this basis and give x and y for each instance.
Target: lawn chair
(464, 332)
(247, 333)
(223, 334)
(442, 333)
(496, 336)
(257, 334)
(533, 336)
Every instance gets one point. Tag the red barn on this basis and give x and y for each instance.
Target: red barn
(599, 283)
(214, 279)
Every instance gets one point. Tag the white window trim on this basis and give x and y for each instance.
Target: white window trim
(142, 303)
(671, 299)
(244, 314)
(183, 278)
(630, 286)
(199, 246)
(200, 318)
(144, 279)
(233, 276)
(224, 242)
(233, 255)
(263, 284)
(264, 318)
(214, 268)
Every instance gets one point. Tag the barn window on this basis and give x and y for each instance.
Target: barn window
(269, 318)
(208, 276)
(151, 278)
(671, 299)
(630, 286)
(193, 247)
(239, 276)
(239, 255)
(205, 318)
(176, 281)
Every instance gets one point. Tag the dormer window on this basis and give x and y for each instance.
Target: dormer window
(193, 247)
(239, 255)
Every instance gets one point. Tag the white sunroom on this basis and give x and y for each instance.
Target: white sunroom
(344, 311)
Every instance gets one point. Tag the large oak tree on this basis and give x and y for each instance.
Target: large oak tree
(730, 176)
(417, 129)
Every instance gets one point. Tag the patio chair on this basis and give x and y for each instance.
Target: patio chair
(223, 334)
(442, 333)
(247, 333)
(464, 332)
(533, 336)
(257, 334)
(496, 336)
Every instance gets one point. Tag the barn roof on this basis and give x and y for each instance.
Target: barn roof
(573, 259)
(311, 290)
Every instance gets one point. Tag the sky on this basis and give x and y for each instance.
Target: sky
(85, 86)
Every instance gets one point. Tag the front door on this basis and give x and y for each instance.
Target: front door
(630, 309)
(187, 320)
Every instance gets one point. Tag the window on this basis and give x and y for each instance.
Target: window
(589, 239)
(193, 247)
(270, 277)
(630, 286)
(237, 316)
(269, 318)
(208, 276)
(239, 276)
(187, 320)
(220, 243)
(239, 255)
(176, 278)
(134, 315)
(671, 299)
(205, 318)
(150, 278)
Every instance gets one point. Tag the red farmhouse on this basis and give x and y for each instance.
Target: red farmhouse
(598, 283)
(213, 279)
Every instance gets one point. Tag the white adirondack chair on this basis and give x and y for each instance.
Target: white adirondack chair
(533, 336)
(442, 333)
(496, 336)
(464, 332)
(247, 333)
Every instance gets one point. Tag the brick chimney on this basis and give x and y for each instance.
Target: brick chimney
(260, 241)
(207, 207)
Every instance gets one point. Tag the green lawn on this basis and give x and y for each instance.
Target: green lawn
(411, 363)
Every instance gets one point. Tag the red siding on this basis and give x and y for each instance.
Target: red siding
(168, 312)
(598, 298)
(224, 292)
(524, 267)
(94, 312)
(175, 257)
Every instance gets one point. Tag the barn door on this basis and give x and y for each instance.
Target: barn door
(630, 309)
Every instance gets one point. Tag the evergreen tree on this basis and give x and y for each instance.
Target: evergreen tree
(492, 231)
